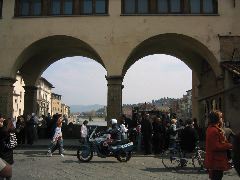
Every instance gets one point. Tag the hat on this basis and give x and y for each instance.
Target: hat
(114, 121)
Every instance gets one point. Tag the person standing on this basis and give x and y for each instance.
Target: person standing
(157, 133)
(173, 134)
(189, 137)
(123, 128)
(20, 129)
(216, 160)
(146, 129)
(31, 125)
(84, 132)
(8, 141)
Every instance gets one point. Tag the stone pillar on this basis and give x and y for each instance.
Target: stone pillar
(30, 100)
(6, 96)
(114, 99)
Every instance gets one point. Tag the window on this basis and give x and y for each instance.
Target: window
(28, 7)
(175, 6)
(169, 6)
(1, 5)
(203, 6)
(101, 6)
(208, 6)
(93, 6)
(162, 6)
(136, 6)
(195, 6)
(56, 7)
(68, 7)
(61, 7)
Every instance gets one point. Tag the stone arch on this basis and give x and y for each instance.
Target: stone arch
(42, 53)
(192, 52)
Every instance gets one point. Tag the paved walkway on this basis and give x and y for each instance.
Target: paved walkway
(33, 164)
(44, 143)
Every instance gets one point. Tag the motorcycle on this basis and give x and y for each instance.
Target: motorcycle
(97, 143)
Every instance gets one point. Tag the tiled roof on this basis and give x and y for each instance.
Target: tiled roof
(232, 66)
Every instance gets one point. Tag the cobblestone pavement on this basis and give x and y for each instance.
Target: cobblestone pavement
(33, 164)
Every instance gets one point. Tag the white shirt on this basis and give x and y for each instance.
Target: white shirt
(84, 131)
(58, 133)
(123, 129)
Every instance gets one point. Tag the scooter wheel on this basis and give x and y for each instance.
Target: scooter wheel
(84, 154)
(124, 156)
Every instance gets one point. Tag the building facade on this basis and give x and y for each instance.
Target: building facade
(56, 104)
(65, 110)
(18, 97)
(44, 91)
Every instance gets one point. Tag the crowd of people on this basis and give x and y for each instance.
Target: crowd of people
(155, 134)
(150, 133)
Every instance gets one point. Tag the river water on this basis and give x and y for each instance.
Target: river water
(95, 121)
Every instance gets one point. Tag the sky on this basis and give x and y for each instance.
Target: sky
(81, 81)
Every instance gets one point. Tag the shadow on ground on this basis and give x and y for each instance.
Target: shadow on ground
(186, 170)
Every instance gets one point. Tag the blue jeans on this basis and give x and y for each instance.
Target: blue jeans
(57, 145)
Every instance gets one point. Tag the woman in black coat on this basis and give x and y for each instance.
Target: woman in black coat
(7, 145)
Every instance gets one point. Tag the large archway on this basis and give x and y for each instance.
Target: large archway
(189, 50)
(205, 67)
(38, 56)
(42, 53)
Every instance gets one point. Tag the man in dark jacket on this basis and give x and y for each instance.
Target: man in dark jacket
(146, 129)
(189, 137)
(115, 132)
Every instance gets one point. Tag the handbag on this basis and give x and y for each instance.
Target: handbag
(12, 142)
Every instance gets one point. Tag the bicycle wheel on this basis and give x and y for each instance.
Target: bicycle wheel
(198, 159)
(171, 160)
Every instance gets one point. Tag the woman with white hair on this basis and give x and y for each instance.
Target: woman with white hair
(123, 128)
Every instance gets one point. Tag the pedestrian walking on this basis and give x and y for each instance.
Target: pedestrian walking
(57, 141)
(216, 160)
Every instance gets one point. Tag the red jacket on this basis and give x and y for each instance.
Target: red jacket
(216, 149)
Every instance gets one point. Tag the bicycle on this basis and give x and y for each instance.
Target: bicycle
(175, 158)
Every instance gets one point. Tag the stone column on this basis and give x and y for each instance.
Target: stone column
(114, 99)
(30, 100)
(6, 96)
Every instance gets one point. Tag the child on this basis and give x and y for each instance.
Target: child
(57, 141)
